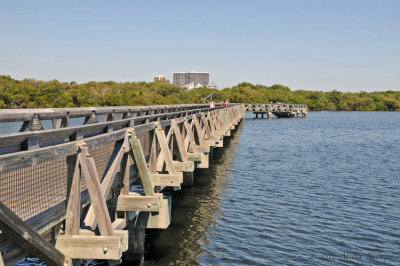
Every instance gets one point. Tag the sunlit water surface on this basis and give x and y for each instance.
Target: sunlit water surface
(322, 190)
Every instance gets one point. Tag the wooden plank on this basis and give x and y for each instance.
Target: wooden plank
(98, 201)
(16, 115)
(90, 247)
(14, 228)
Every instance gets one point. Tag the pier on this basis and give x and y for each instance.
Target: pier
(279, 110)
(85, 183)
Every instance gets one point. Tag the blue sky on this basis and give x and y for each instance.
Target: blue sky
(348, 45)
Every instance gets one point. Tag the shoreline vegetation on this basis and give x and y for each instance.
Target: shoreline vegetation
(31, 93)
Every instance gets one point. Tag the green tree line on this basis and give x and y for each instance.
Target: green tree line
(30, 93)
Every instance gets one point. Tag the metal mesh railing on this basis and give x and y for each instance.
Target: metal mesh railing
(31, 190)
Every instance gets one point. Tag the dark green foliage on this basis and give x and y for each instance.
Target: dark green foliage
(33, 93)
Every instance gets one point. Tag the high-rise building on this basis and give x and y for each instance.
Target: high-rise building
(161, 78)
(197, 78)
(179, 79)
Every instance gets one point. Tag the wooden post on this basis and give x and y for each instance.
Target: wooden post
(27, 238)
(135, 253)
(188, 179)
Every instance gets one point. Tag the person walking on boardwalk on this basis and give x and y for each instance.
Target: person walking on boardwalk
(212, 104)
(223, 103)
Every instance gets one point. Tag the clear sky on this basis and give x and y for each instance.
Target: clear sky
(348, 45)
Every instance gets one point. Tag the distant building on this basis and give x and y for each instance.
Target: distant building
(189, 79)
(161, 78)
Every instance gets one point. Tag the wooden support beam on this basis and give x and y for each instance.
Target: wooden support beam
(140, 161)
(167, 180)
(73, 212)
(98, 201)
(90, 247)
(199, 132)
(190, 142)
(31, 143)
(155, 220)
(119, 224)
(195, 157)
(219, 143)
(211, 142)
(165, 150)
(106, 184)
(136, 202)
(91, 119)
(179, 141)
(184, 166)
(27, 238)
(125, 173)
(32, 125)
(202, 148)
(117, 232)
(124, 234)
(153, 156)
(205, 161)
(227, 133)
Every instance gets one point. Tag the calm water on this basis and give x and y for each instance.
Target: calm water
(317, 191)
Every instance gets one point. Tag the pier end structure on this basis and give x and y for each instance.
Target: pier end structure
(279, 110)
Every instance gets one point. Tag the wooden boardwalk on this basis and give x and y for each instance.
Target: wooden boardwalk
(65, 189)
(279, 110)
